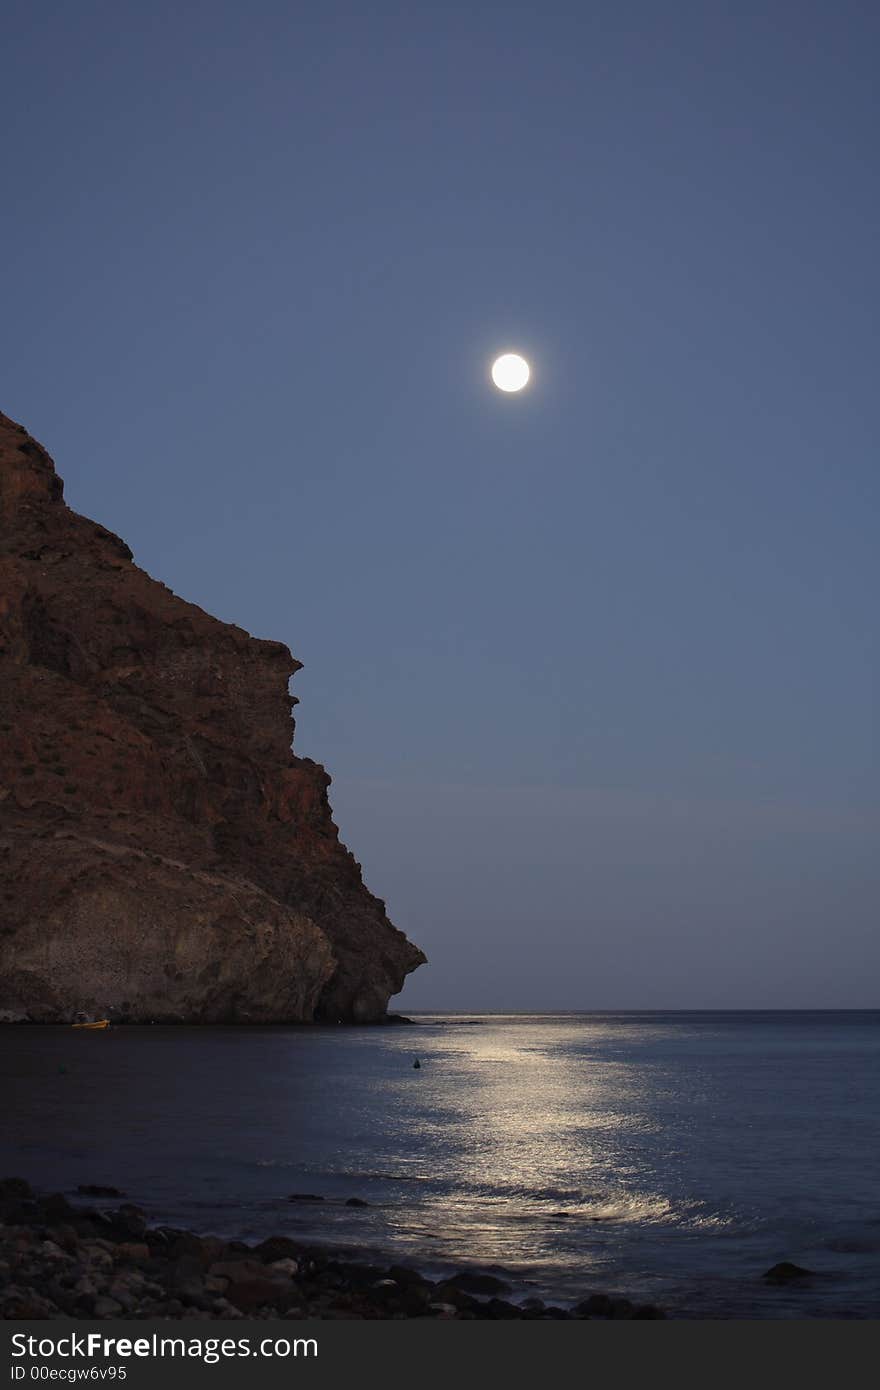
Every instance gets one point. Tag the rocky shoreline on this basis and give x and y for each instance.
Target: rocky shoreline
(60, 1260)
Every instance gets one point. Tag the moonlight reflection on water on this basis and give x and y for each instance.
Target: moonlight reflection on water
(672, 1158)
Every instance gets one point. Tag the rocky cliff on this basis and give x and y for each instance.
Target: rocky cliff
(163, 853)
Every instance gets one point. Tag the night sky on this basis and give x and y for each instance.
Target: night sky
(594, 667)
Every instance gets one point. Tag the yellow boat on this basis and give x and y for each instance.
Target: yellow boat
(101, 1023)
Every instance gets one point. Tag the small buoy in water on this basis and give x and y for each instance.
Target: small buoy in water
(417, 1064)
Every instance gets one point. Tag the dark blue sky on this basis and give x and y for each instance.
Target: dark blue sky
(595, 667)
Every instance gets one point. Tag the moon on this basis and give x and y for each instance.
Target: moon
(510, 372)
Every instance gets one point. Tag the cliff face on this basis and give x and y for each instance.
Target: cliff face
(163, 853)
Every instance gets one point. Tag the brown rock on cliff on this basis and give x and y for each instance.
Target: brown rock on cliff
(163, 853)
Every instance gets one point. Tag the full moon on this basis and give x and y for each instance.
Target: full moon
(510, 372)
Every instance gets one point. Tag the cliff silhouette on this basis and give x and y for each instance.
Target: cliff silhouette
(164, 855)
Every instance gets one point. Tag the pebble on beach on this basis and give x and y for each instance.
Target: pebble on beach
(59, 1260)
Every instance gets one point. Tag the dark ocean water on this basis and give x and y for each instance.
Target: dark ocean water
(687, 1151)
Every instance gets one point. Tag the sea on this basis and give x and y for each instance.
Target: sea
(670, 1158)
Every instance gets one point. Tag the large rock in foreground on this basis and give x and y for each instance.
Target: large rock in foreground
(163, 853)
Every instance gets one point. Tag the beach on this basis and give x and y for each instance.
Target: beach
(63, 1260)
